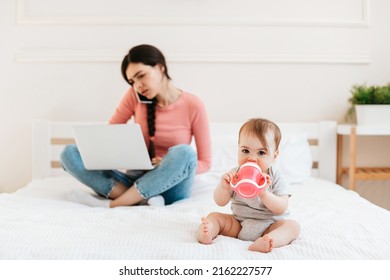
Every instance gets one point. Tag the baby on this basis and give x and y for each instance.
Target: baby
(262, 219)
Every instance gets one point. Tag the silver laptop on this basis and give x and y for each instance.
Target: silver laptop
(112, 146)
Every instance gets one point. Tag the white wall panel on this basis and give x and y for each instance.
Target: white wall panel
(201, 31)
(96, 56)
(199, 12)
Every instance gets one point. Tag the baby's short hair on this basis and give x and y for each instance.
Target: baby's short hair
(260, 127)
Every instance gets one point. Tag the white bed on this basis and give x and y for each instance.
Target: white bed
(38, 222)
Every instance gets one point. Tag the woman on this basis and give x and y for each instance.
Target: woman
(169, 118)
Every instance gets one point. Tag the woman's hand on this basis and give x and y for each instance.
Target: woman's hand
(156, 160)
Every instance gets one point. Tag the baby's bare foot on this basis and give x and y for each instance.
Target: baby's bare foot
(263, 244)
(204, 234)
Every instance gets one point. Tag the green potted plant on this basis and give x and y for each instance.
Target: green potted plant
(371, 104)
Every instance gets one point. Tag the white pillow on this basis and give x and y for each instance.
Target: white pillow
(224, 145)
(295, 160)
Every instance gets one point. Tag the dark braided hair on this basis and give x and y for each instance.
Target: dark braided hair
(151, 126)
(148, 55)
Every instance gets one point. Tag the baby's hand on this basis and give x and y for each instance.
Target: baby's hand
(227, 178)
(268, 178)
(265, 189)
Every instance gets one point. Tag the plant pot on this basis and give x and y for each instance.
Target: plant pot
(373, 114)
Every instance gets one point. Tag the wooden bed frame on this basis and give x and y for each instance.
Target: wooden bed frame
(49, 139)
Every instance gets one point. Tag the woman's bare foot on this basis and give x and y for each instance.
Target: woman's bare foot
(204, 234)
(263, 244)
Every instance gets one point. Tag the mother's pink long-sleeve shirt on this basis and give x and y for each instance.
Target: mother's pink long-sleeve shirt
(175, 124)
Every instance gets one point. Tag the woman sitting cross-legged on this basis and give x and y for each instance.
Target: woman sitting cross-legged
(169, 118)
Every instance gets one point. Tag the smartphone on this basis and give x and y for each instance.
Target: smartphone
(143, 99)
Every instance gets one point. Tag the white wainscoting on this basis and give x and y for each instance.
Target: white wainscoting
(303, 13)
(93, 56)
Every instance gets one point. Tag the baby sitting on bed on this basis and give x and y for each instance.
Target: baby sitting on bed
(263, 218)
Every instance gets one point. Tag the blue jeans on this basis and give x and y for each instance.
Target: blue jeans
(172, 179)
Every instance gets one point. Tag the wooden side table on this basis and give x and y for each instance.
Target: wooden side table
(354, 172)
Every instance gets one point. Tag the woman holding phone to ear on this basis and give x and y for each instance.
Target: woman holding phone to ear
(169, 118)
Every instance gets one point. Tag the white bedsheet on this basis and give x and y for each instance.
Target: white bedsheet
(38, 222)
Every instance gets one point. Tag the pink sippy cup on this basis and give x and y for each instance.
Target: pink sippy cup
(249, 181)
